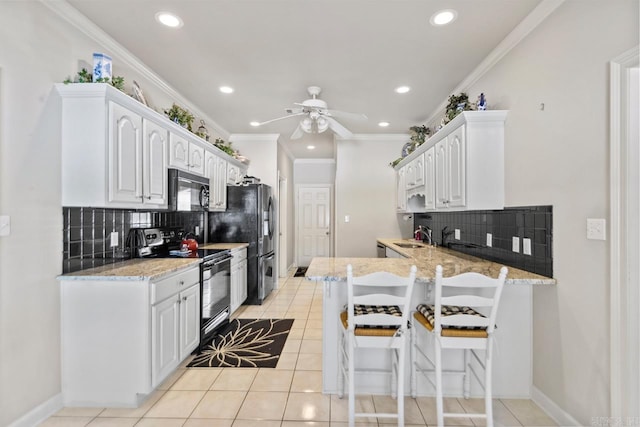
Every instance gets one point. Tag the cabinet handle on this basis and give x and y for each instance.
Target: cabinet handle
(184, 298)
(181, 282)
(147, 197)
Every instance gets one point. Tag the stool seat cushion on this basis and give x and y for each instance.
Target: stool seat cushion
(425, 315)
(371, 330)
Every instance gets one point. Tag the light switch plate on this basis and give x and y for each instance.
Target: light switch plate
(347, 218)
(457, 234)
(515, 244)
(526, 246)
(5, 225)
(489, 239)
(596, 229)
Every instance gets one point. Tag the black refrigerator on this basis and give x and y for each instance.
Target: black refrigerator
(249, 218)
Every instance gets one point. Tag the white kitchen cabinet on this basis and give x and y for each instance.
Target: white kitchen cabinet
(216, 170)
(115, 150)
(238, 278)
(136, 329)
(390, 253)
(401, 193)
(467, 162)
(233, 175)
(186, 155)
(415, 173)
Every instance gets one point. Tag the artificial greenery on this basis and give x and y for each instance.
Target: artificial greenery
(419, 135)
(180, 115)
(456, 105)
(224, 146)
(395, 162)
(85, 76)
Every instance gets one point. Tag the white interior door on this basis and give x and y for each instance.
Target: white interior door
(314, 223)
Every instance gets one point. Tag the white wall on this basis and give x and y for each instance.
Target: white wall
(559, 156)
(365, 190)
(286, 169)
(263, 149)
(314, 171)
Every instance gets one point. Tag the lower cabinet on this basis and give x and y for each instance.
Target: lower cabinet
(121, 337)
(238, 278)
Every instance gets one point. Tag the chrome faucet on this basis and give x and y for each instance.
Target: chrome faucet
(426, 235)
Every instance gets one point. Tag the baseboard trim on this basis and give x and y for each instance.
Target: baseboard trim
(40, 412)
(558, 414)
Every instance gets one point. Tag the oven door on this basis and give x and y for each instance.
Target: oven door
(215, 288)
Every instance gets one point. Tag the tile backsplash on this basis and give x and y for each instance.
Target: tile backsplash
(531, 222)
(87, 233)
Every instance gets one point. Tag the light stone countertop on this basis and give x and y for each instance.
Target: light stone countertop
(133, 269)
(426, 258)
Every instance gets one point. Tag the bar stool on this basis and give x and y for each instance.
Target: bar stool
(375, 320)
(459, 319)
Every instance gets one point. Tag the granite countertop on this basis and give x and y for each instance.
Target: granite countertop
(231, 246)
(134, 269)
(426, 258)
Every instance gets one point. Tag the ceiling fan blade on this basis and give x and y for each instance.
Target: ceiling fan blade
(346, 115)
(281, 118)
(294, 110)
(339, 130)
(297, 133)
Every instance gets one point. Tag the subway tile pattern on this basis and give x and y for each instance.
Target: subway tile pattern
(532, 222)
(87, 233)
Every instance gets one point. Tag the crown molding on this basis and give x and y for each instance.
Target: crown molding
(528, 24)
(116, 50)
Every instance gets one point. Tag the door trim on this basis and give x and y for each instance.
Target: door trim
(282, 226)
(623, 303)
(332, 227)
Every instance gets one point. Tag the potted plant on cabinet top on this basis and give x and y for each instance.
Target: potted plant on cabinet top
(181, 116)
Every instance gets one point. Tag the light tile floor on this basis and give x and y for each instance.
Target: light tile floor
(288, 396)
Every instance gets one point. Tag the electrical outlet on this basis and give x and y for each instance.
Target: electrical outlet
(526, 246)
(515, 244)
(489, 240)
(596, 229)
(457, 234)
(197, 230)
(114, 239)
(347, 218)
(5, 225)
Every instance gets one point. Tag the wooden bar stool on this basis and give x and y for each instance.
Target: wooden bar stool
(375, 320)
(459, 319)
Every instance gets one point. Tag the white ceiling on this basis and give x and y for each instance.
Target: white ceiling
(270, 51)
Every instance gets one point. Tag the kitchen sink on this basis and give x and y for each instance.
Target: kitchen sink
(408, 245)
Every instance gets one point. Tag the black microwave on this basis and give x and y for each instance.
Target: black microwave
(188, 192)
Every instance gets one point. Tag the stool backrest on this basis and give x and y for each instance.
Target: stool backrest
(459, 292)
(380, 280)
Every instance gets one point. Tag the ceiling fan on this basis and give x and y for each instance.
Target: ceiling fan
(316, 117)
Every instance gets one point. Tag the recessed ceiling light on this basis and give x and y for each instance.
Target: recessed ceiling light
(383, 124)
(443, 17)
(311, 147)
(255, 124)
(403, 89)
(169, 19)
(226, 89)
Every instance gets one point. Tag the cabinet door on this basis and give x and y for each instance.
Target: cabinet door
(196, 159)
(165, 346)
(429, 179)
(441, 174)
(178, 152)
(189, 320)
(125, 144)
(410, 176)
(221, 196)
(401, 194)
(210, 171)
(235, 287)
(242, 285)
(456, 164)
(233, 173)
(418, 170)
(155, 164)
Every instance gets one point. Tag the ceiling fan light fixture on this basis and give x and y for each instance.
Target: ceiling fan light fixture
(402, 89)
(322, 123)
(306, 124)
(443, 17)
(169, 19)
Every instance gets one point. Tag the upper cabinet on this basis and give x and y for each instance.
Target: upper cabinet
(461, 167)
(116, 151)
(216, 171)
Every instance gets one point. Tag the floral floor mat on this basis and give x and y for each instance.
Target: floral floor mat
(245, 343)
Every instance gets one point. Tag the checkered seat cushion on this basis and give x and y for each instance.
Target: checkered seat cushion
(371, 330)
(425, 315)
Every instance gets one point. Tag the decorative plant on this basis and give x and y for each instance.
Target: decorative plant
(456, 105)
(84, 76)
(180, 115)
(395, 162)
(224, 146)
(419, 134)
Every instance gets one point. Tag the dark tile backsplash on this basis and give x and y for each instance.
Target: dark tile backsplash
(87, 233)
(532, 222)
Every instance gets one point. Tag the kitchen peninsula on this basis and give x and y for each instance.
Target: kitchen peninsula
(513, 355)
